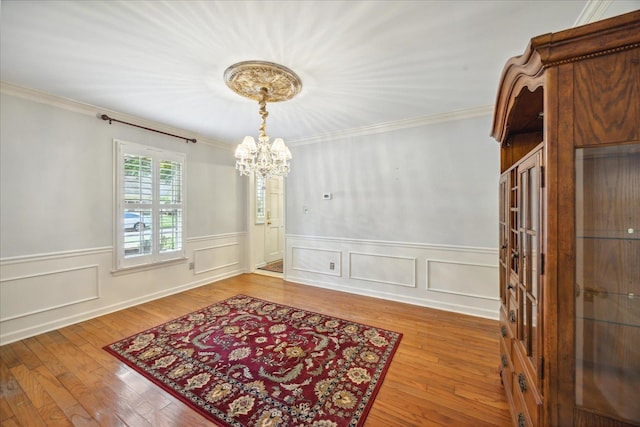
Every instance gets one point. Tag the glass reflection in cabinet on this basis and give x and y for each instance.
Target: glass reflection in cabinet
(528, 236)
(503, 238)
(608, 280)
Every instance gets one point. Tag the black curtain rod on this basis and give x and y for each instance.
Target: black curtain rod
(111, 119)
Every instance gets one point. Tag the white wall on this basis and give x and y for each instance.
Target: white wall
(56, 215)
(413, 215)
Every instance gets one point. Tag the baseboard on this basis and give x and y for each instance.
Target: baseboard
(422, 302)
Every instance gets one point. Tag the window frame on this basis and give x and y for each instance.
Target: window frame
(157, 155)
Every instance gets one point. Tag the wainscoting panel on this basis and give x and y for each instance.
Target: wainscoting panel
(393, 270)
(42, 292)
(462, 278)
(452, 278)
(47, 291)
(317, 261)
(216, 257)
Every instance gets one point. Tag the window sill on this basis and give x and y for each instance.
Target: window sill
(145, 267)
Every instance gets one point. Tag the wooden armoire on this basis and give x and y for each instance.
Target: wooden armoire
(567, 118)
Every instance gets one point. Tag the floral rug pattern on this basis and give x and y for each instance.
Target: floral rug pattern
(250, 362)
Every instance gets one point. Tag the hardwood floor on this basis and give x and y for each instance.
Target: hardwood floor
(443, 374)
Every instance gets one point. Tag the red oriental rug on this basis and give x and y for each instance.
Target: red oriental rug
(275, 266)
(249, 362)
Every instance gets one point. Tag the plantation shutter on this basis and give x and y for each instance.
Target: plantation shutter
(150, 205)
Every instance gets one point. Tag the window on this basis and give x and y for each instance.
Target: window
(260, 198)
(150, 208)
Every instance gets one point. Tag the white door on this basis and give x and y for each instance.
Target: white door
(274, 230)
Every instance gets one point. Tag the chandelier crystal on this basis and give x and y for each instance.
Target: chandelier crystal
(263, 82)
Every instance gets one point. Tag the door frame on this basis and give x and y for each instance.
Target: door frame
(253, 248)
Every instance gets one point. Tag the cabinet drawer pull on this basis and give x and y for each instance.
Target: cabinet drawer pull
(522, 383)
(521, 422)
(504, 360)
(512, 316)
(504, 331)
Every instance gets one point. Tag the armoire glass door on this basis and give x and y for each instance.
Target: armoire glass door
(607, 311)
(528, 290)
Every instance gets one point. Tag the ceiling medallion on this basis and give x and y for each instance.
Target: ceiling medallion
(263, 82)
(249, 77)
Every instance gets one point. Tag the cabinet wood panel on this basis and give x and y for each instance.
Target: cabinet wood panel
(607, 109)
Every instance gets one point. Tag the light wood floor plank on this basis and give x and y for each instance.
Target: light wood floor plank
(444, 372)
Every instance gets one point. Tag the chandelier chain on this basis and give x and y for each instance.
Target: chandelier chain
(263, 112)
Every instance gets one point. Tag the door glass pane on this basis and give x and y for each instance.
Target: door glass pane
(524, 203)
(524, 206)
(501, 201)
(260, 198)
(524, 321)
(513, 222)
(531, 257)
(502, 239)
(534, 332)
(608, 280)
(534, 197)
(534, 227)
(534, 295)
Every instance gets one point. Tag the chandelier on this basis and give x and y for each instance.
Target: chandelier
(263, 82)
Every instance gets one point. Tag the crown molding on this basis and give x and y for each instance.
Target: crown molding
(593, 11)
(95, 111)
(92, 110)
(397, 125)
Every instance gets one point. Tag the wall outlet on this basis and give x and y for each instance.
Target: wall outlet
(332, 266)
(192, 265)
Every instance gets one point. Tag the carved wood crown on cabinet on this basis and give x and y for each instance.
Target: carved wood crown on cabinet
(567, 117)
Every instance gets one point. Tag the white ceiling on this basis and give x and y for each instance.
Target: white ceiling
(362, 63)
